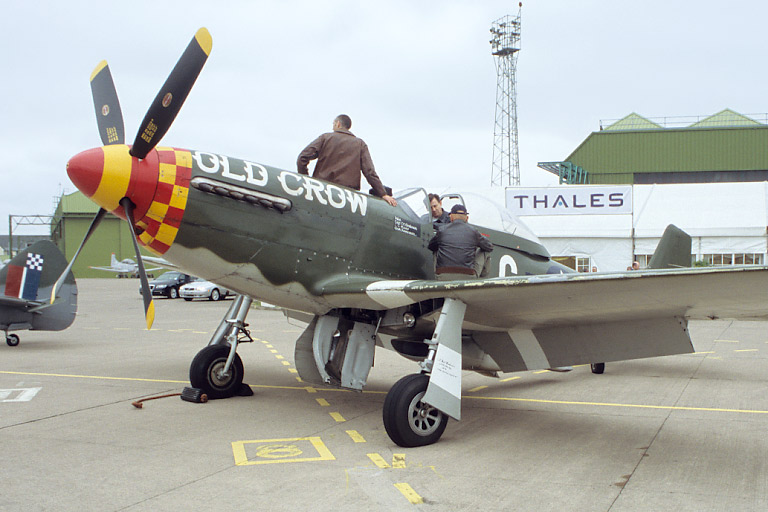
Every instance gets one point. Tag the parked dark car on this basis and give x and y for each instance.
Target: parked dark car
(168, 284)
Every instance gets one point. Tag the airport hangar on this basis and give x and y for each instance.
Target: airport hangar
(707, 175)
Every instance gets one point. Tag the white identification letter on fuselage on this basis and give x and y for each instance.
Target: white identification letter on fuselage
(292, 183)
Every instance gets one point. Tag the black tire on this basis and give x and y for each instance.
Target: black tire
(597, 368)
(187, 299)
(205, 366)
(407, 420)
(215, 295)
(12, 340)
(173, 293)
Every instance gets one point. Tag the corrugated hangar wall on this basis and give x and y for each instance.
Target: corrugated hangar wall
(74, 215)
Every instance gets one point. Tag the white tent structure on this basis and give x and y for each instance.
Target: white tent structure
(727, 221)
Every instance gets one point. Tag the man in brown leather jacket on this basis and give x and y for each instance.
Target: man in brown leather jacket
(340, 158)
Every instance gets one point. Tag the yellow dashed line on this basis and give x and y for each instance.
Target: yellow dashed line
(310, 389)
(746, 350)
(509, 379)
(293, 370)
(279, 356)
(409, 493)
(355, 435)
(273, 351)
(286, 363)
(726, 341)
(478, 388)
(378, 460)
(398, 460)
(338, 417)
(323, 402)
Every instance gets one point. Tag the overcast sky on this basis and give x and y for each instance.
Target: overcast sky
(417, 78)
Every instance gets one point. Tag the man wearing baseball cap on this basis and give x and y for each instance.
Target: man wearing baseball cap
(455, 247)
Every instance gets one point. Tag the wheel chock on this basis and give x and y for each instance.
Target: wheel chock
(194, 395)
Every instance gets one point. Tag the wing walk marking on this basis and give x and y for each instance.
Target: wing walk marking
(529, 348)
(355, 435)
(409, 493)
(390, 294)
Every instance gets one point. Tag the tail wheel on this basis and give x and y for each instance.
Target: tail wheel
(597, 368)
(205, 372)
(409, 421)
(12, 340)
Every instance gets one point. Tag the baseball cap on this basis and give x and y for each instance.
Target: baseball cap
(459, 209)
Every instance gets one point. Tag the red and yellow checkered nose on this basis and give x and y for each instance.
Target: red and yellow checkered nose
(158, 185)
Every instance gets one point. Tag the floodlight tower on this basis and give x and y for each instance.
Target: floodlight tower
(505, 44)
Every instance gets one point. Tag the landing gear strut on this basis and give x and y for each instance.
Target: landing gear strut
(217, 369)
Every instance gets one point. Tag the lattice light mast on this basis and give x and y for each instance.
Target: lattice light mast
(505, 45)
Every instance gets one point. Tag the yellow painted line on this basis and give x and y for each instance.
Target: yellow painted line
(269, 345)
(699, 353)
(355, 435)
(286, 363)
(274, 351)
(746, 350)
(378, 460)
(726, 341)
(293, 370)
(298, 379)
(338, 417)
(279, 356)
(409, 493)
(509, 379)
(629, 406)
(540, 371)
(478, 388)
(398, 460)
(322, 401)
(310, 389)
(96, 377)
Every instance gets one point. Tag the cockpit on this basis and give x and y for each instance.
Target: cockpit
(482, 211)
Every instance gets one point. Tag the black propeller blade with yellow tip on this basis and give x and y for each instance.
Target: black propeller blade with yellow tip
(172, 94)
(108, 114)
(94, 223)
(146, 293)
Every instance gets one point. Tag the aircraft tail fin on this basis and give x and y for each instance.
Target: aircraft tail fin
(113, 262)
(33, 269)
(673, 251)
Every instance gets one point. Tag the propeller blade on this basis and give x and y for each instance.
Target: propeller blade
(149, 305)
(109, 117)
(95, 222)
(172, 94)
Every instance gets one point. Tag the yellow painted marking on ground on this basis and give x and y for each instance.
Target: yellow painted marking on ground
(279, 356)
(409, 493)
(726, 341)
(378, 460)
(509, 379)
(323, 402)
(355, 435)
(298, 379)
(338, 417)
(746, 350)
(271, 451)
(274, 351)
(199, 332)
(398, 460)
(540, 371)
(293, 370)
(268, 345)
(629, 406)
(97, 377)
(310, 389)
(124, 329)
(286, 363)
(699, 353)
(478, 388)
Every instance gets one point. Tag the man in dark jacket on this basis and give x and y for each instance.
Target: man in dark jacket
(439, 216)
(340, 158)
(455, 246)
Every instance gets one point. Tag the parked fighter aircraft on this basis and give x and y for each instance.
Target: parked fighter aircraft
(362, 271)
(29, 275)
(124, 268)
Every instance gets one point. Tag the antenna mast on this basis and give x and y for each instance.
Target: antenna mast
(505, 44)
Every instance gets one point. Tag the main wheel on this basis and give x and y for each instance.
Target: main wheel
(215, 295)
(409, 421)
(597, 368)
(173, 293)
(205, 372)
(12, 340)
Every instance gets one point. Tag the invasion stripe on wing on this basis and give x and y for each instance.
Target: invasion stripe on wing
(390, 294)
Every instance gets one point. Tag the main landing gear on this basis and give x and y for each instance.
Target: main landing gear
(408, 420)
(217, 369)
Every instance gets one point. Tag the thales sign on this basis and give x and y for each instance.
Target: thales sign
(572, 200)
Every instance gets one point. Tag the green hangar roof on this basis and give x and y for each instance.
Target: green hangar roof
(724, 147)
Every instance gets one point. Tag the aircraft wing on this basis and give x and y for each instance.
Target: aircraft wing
(533, 322)
(111, 269)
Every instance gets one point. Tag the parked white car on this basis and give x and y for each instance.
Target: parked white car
(203, 290)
